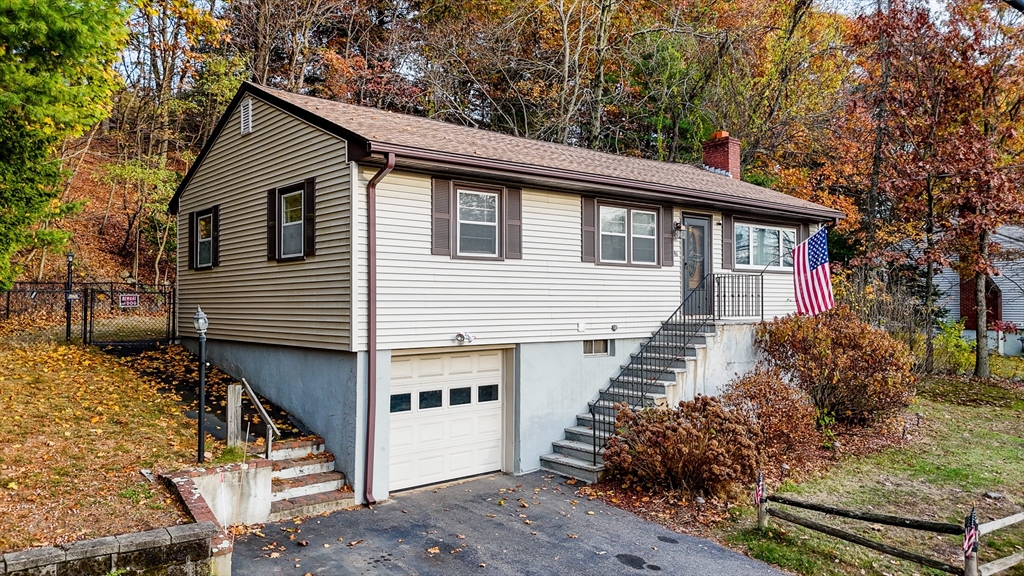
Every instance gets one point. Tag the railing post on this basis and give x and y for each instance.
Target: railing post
(234, 414)
(970, 546)
(762, 503)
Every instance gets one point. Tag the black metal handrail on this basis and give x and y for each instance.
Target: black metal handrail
(666, 347)
(739, 295)
(717, 296)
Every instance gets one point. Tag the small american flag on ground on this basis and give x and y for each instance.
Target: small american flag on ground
(759, 491)
(812, 278)
(971, 535)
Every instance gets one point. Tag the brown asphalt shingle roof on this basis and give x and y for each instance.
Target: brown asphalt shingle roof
(382, 130)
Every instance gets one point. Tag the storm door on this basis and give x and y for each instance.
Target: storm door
(696, 251)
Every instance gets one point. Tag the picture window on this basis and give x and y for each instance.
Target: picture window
(764, 246)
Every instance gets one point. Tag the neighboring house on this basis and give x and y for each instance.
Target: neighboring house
(438, 301)
(1004, 293)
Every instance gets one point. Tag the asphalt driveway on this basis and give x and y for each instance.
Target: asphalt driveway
(481, 527)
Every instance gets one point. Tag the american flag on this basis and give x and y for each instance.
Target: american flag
(812, 279)
(971, 535)
(759, 491)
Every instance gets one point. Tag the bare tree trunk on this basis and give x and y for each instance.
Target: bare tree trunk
(929, 310)
(604, 20)
(981, 366)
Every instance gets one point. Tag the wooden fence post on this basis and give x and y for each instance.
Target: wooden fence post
(234, 414)
(762, 502)
(971, 544)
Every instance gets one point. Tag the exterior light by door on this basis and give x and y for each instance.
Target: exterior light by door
(200, 322)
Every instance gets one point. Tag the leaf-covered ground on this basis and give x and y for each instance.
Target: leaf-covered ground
(966, 446)
(77, 427)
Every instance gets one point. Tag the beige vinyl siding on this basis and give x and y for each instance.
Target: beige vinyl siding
(424, 300)
(247, 297)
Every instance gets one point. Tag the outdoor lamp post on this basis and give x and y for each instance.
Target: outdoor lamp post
(67, 297)
(201, 323)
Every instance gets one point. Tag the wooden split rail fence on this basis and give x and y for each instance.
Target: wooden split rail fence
(971, 532)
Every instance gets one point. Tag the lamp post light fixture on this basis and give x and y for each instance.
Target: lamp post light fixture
(67, 297)
(200, 322)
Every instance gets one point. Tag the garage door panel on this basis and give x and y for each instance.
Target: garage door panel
(448, 418)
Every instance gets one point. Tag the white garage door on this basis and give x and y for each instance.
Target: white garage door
(445, 417)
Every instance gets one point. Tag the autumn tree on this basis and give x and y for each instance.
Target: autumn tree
(56, 76)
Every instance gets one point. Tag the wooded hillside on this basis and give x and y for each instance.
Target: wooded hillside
(906, 119)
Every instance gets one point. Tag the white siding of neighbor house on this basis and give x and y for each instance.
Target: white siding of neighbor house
(424, 300)
(247, 297)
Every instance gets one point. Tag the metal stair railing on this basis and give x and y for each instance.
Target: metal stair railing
(664, 348)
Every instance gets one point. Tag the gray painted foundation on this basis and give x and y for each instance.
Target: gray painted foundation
(999, 343)
(554, 381)
(325, 389)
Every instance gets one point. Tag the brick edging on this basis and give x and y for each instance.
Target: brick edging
(182, 483)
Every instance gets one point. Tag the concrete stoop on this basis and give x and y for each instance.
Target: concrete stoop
(574, 455)
(304, 481)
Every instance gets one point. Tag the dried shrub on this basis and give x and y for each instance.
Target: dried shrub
(853, 372)
(700, 447)
(782, 413)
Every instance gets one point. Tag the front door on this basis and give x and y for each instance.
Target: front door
(696, 250)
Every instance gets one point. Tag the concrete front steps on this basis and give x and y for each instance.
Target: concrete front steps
(304, 481)
(574, 456)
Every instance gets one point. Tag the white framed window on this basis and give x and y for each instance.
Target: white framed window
(477, 231)
(204, 241)
(291, 224)
(628, 236)
(762, 246)
(596, 348)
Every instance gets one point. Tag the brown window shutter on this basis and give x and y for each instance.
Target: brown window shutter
(441, 217)
(668, 236)
(272, 224)
(513, 223)
(728, 242)
(191, 240)
(309, 217)
(803, 232)
(589, 229)
(215, 216)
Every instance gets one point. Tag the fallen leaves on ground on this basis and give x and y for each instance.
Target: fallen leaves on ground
(78, 427)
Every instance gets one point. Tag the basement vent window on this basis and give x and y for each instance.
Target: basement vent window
(246, 116)
(596, 347)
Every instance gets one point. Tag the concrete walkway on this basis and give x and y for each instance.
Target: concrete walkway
(465, 529)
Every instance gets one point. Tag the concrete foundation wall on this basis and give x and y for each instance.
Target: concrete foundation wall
(325, 389)
(554, 381)
(240, 496)
(1003, 344)
(728, 355)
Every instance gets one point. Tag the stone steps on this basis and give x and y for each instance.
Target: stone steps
(304, 481)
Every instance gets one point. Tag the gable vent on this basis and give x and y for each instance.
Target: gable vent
(246, 116)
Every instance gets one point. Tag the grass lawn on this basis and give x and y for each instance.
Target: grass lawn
(970, 441)
(77, 426)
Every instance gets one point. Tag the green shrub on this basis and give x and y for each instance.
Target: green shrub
(953, 354)
(782, 413)
(700, 447)
(852, 371)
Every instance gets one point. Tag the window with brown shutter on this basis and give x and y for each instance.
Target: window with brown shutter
(475, 221)
(291, 221)
(626, 235)
(204, 239)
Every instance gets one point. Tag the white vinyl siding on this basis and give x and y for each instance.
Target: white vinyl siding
(424, 300)
(247, 297)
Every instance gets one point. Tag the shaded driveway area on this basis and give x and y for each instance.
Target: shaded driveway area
(481, 526)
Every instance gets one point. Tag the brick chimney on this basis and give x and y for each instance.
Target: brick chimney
(722, 152)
